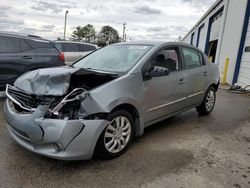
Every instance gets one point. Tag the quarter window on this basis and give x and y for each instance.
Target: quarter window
(192, 58)
(167, 58)
(24, 45)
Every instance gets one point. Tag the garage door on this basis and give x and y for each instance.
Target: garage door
(244, 74)
(202, 38)
(216, 27)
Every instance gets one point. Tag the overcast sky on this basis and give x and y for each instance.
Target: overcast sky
(146, 19)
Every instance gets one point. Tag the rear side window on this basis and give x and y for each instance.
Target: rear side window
(192, 58)
(70, 47)
(85, 47)
(9, 45)
(40, 44)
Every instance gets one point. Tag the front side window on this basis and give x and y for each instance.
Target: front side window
(192, 58)
(9, 45)
(115, 58)
(167, 58)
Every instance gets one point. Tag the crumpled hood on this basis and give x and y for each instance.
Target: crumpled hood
(47, 81)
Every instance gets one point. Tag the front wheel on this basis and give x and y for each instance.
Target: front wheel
(208, 102)
(117, 136)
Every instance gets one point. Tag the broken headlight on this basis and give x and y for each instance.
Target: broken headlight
(69, 105)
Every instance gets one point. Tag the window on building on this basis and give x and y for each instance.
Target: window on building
(192, 39)
(247, 49)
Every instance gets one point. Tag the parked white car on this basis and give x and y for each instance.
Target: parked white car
(74, 50)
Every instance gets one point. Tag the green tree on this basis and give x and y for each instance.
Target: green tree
(84, 33)
(108, 35)
(77, 34)
(88, 32)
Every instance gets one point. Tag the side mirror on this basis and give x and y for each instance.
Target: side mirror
(156, 71)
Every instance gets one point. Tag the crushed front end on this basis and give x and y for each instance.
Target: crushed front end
(53, 126)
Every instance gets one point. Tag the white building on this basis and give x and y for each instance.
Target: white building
(224, 32)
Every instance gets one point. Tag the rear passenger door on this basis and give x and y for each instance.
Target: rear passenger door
(196, 70)
(15, 56)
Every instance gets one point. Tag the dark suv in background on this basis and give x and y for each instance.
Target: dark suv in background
(20, 53)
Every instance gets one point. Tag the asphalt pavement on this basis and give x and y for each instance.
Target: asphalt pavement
(184, 151)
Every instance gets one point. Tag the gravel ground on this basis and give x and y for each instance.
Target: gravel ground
(184, 151)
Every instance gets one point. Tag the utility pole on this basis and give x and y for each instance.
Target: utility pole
(123, 35)
(65, 21)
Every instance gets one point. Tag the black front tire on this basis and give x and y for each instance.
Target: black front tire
(210, 97)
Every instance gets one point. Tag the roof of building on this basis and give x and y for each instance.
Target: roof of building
(204, 16)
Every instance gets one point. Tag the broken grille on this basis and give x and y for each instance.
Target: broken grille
(24, 100)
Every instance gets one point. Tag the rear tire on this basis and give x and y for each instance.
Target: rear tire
(117, 136)
(207, 105)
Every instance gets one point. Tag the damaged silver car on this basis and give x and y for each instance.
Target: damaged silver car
(100, 103)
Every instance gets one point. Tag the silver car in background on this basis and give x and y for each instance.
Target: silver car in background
(99, 104)
(74, 50)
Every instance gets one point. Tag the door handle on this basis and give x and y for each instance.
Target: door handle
(26, 57)
(205, 73)
(181, 81)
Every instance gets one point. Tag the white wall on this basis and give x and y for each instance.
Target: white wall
(232, 35)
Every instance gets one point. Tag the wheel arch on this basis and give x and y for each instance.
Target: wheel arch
(135, 114)
(215, 86)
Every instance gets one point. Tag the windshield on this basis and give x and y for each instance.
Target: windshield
(116, 58)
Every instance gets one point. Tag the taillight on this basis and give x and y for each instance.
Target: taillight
(61, 56)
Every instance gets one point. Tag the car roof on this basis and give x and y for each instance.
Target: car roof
(21, 35)
(75, 42)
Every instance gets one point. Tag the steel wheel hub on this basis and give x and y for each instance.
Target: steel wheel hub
(117, 134)
(210, 100)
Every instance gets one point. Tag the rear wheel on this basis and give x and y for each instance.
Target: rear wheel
(208, 102)
(117, 136)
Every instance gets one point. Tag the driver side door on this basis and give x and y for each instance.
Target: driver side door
(166, 94)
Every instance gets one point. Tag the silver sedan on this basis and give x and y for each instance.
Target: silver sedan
(96, 106)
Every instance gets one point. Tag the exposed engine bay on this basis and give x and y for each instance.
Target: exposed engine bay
(64, 102)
